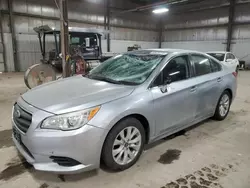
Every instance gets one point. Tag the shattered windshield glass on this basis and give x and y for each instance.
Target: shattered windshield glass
(130, 69)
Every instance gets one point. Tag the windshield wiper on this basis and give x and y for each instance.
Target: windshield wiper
(102, 78)
(127, 83)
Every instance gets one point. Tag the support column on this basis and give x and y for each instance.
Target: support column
(2, 39)
(13, 35)
(230, 24)
(161, 28)
(108, 23)
(64, 37)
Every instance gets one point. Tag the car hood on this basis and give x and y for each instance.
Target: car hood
(75, 93)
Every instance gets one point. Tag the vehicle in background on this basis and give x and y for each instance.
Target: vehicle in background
(85, 42)
(134, 47)
(130, 100)
(227, 58)
(85, 53)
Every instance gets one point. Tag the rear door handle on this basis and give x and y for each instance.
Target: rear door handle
(219, 79)
(193, 89)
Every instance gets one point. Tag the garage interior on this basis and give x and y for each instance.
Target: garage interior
(212, 154)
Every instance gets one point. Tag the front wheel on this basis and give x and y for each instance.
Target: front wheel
(223, 106)
(124, 144)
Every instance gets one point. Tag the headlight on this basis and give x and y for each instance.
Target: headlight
(70, 121)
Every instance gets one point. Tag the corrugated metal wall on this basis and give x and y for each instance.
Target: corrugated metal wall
(241, 34)
(202, 30)
(125, 31)
(206, 30)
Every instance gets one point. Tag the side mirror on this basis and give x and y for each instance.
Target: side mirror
(229, 60)
(168, 81)
(164, 88)
(60, 55)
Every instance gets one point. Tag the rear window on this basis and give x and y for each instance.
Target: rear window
(216, 67)
(232, 56)
(218, 56)
(201, 64)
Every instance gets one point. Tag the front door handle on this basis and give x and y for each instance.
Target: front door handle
(219, 79)
(193, 89)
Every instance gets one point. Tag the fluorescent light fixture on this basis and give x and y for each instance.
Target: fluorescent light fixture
(160, 10)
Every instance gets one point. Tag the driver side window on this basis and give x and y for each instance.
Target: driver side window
(176, 70)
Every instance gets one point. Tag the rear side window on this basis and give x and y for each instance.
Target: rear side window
(201, 64)
(232, 56)
(216, 67)
(219, 56)
(228, 56)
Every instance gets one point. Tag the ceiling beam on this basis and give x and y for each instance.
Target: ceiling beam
(140, 9)
(150, 6)
(77, 21)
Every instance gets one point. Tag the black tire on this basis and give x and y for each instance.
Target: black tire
(107, 156)
(217, 115)
(237, 69)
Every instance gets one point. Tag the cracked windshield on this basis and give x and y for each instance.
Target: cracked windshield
(128, 69)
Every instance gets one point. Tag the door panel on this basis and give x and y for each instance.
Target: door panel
(235, 61)
(174, 95)
(176, 107)
(208, 93)
(208, 84)
(232, 63)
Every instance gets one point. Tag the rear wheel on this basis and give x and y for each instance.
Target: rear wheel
(223, 106)
(124, 144)
(237, 69)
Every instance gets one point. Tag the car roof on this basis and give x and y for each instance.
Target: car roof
(167, 51)
(170, 50)
(218, 52)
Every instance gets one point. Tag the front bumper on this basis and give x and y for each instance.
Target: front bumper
(83, 145)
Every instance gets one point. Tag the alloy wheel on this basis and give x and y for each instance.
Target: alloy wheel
(127, 145)
(224, 105)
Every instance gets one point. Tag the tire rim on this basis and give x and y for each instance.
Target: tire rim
(127, 145)
(224, 105)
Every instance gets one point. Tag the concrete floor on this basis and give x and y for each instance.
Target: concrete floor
(210, 154)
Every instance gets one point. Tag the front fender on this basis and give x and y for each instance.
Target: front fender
(112, 112)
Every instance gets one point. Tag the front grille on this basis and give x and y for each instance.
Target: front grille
(21, 118)
(22, 144)
(64, 161)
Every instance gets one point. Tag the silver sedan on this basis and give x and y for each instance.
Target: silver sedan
(130, 100)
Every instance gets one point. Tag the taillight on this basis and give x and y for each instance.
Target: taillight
(235, 74)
